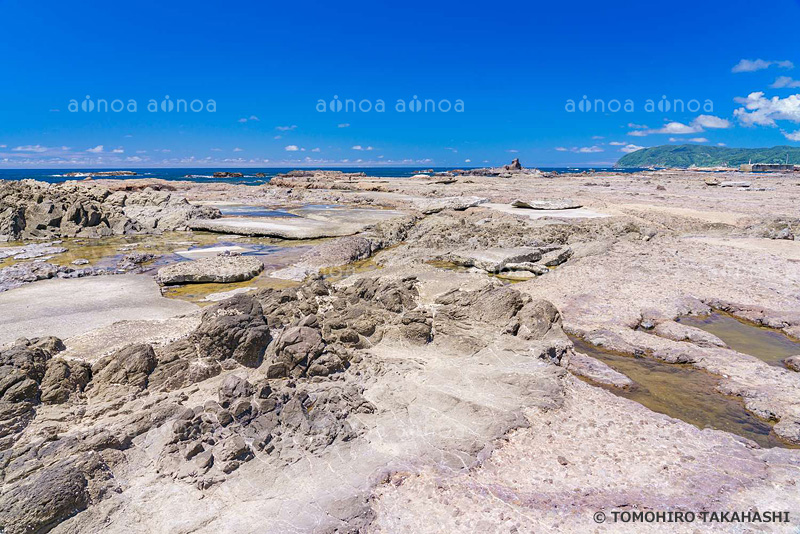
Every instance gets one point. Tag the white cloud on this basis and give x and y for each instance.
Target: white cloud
(581, 150)
(710, 121)
(753, 65)
(250, 118)
(677, 128)
(637, 126)
(698, 140)
(793, 136)
(762, 111)
(512, 151)
(237, 149)
(96, 150)
(315, 149)
(118, 150)
(721, 144)
(133, 159)
(617, 143)
(344, 125)
(3, 146)
(699, 124)
(782, 82)
(359, 147)
(30, 148)
(630, 148)
(286, 128)
(216, 150)
(291, 148)
(467, 161)
(597, 137)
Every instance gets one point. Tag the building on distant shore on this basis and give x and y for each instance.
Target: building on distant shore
(767, 167)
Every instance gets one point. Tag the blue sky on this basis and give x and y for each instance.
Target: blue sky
(266, 66)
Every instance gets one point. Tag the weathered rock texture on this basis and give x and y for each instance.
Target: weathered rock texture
(221, 269)
(31, 209)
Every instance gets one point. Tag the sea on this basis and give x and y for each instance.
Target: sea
(249, 175)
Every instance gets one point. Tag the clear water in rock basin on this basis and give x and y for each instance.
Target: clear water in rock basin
(765, 344)
(682, 392)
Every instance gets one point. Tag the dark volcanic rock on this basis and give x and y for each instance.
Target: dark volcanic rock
(297, 348)
(55, 494)
(63, 379)
(234, 328)
(129, 367)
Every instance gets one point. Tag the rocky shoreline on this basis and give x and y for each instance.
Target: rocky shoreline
(409, 368)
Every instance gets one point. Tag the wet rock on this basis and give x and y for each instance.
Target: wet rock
(220, 269)
(793, 363)
(19, 274)
(788, 429)
(554, 258)
(435, 205)
(341, 251)
(547, 204)
(597, 371)
(36, 250)
(680, 332)
(495, 260)
(533, 268)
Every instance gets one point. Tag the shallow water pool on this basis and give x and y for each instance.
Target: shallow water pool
(765, 344)
(682, 392)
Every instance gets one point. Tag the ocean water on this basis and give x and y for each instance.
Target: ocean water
(250, 178)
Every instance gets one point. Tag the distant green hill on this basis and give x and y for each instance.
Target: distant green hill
(707, 156)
